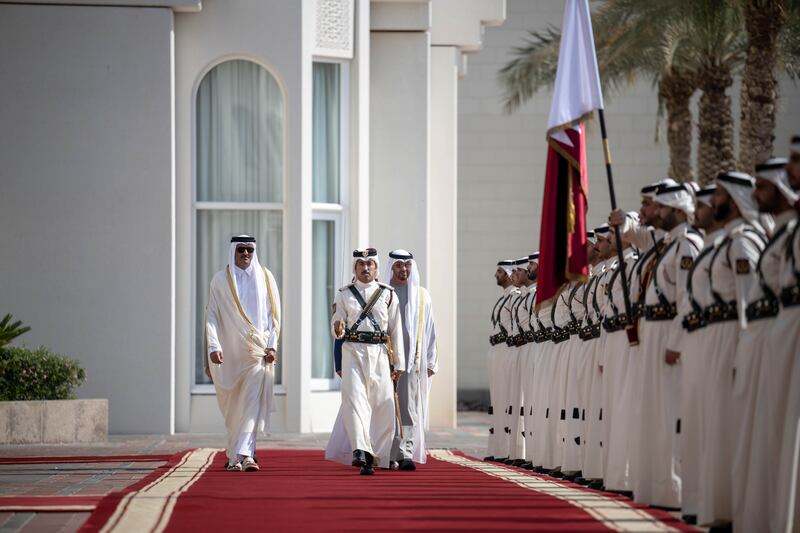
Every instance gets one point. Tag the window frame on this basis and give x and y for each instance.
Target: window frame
(208, 388)
(337, 213)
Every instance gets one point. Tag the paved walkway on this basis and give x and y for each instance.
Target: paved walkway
(90, 479)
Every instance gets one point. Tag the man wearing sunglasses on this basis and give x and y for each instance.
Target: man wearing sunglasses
(243, 321)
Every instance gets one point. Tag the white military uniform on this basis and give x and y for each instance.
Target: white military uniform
(657, 478)
(530, 351)
(498, 396)
(784, 342)
(760, 383)
(694, 355)
(368, 407)
(510, 443)
(592, 381)
(575, 353)
(518, 363)
(730, 279)
(616, 386)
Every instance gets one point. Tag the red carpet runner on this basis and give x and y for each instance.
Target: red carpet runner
(297, 490)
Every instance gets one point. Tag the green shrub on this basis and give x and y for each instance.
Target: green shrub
(27, 374)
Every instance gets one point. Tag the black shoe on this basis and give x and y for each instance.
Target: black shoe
(721, 527)
(572, 476)
(366, 469)
(359, 458)
(596, 484)
(527, 466)
(508, 462)
(489, 458)
(408, 465)
(518, 462)
(690, 519)
(500, 459)
(582, 481)
(558, 474)
(540, 470)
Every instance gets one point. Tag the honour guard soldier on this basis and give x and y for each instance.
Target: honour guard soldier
(760, 370)
(498, 389)
(730, 277)
(529, 357)
(658, 482)
(694, 350)
(366, 315)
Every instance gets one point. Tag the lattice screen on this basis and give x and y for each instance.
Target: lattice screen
(333, 28)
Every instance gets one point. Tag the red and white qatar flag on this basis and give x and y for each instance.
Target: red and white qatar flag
(562, 241)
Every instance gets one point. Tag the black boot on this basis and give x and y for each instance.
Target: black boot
(366, 469)
(359, 458)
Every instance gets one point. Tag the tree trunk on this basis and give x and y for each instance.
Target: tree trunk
(763, 21)
(715, 148)
(676, 89)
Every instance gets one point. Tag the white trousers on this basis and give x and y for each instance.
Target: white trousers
(616, 410)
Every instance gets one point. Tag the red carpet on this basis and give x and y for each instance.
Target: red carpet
(297, 490)
(63, 459)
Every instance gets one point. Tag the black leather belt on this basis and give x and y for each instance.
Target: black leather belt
(721, 312)
(660, 312)
(367, 337)
(762, 308)
(498, 338)
(573, 328)
(615, 323)
(637, 310)
(542, 335)
(790, 296)
(694, 321)
(516, 340)
(559, 335)
(592, 331)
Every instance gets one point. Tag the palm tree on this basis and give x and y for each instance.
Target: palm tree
(681, 46)
(773, 37)
(633, 39)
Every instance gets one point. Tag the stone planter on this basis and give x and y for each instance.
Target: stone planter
(53, 422)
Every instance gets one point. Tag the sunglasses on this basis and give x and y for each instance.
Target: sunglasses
(242, 250)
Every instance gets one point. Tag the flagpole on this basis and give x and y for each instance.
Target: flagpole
(607, 153)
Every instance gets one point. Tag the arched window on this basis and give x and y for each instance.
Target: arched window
(239, 168)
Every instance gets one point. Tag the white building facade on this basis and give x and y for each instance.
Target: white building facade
(137, 137)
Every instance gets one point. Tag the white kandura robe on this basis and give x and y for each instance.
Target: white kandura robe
(616, 388)
(694, 359)
(592, 384)
(517, 363)
(656, 477)
(574, 352)
(542, 382)
(511, 441)
(729, 280)
(497, 442)
(528, 355)
(368, 412)
(757, 449)
(784, 342)
(244, 381)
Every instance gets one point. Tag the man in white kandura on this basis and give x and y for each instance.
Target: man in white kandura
(243, 323)
(366, 314)
(421, 359)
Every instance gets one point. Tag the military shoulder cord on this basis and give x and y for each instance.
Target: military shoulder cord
(611, 286)
(695, 264)
(765, 288)
(790, 251)
(530, 311)
(646, 264)
(515, 316)
(661, 298)
(571, 298)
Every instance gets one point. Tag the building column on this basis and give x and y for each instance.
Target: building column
(442, 228)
